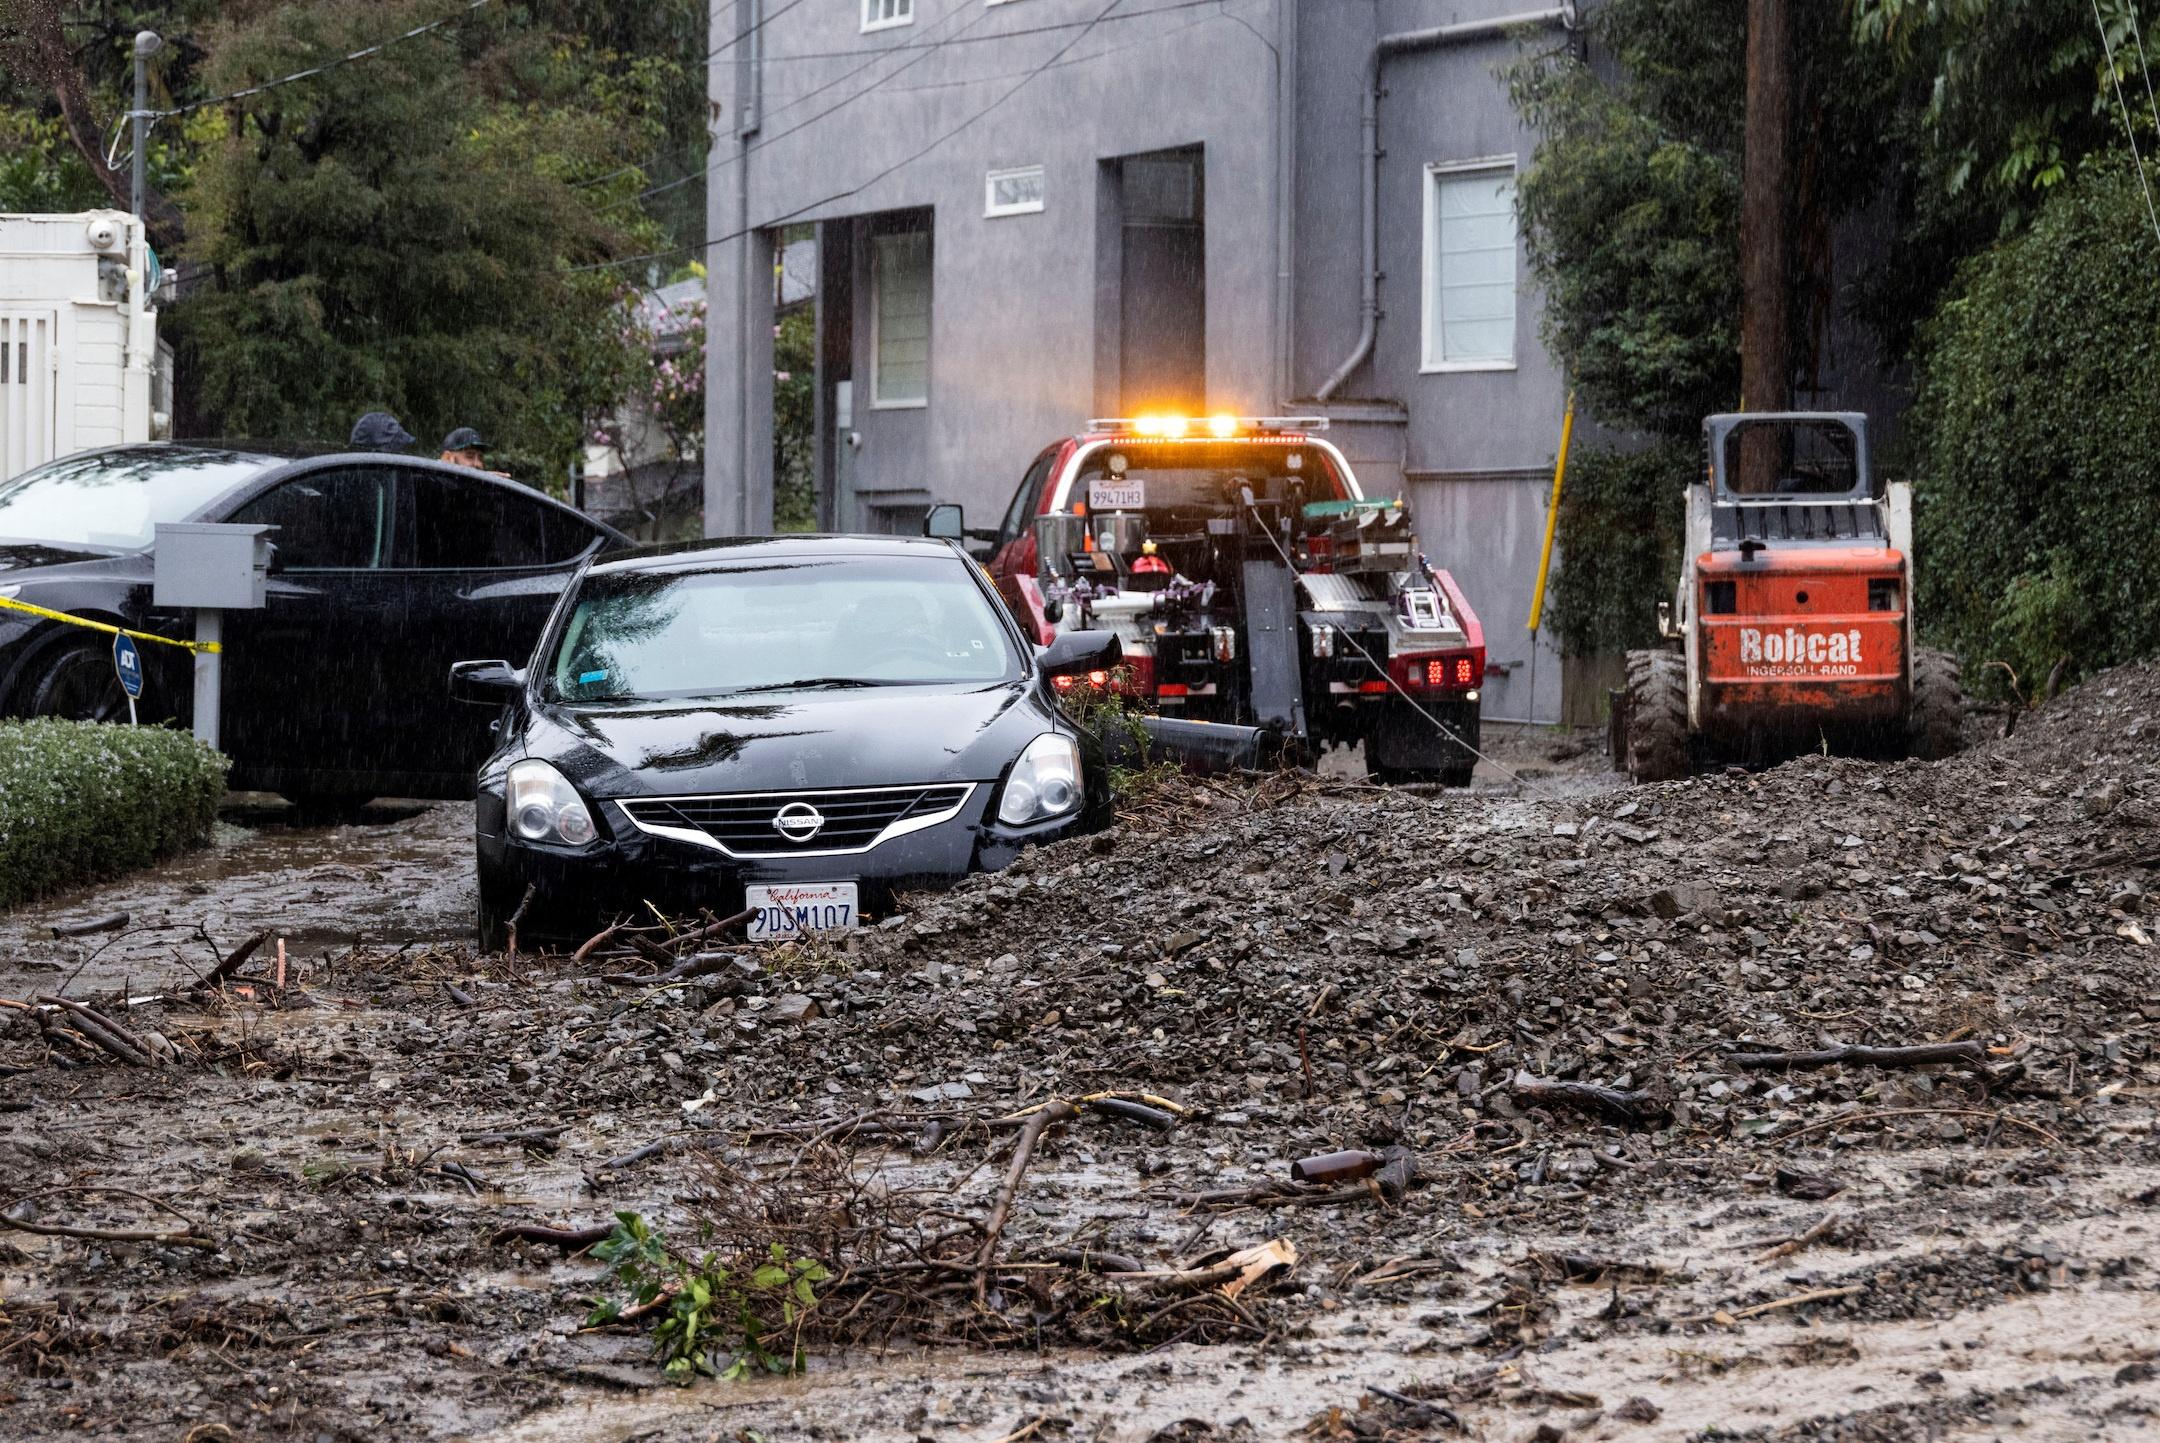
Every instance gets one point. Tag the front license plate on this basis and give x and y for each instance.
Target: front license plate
(778, 913)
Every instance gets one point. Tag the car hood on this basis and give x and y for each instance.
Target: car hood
(791, 741)
(29, 555)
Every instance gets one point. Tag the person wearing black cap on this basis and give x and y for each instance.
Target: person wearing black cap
(463, 447)
(380, 431)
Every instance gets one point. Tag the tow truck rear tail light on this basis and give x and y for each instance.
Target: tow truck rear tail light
(1452, 671)
(1323, 642)
(1373, 688)
(1225, 640)
(1171, 691)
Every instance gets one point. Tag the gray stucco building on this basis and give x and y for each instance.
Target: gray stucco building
(1030, 212)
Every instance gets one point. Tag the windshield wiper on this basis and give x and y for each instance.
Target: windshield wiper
(815, 683)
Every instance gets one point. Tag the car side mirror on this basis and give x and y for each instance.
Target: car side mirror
(1076, 653)
(947, 521)
(487, 683)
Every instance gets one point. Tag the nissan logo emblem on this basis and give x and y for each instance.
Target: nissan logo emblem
(798, 821)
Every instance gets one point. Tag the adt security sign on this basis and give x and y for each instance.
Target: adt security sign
(127, 663)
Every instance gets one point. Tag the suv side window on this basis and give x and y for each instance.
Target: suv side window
(334, 520)
(1026, 499)
(477, 525)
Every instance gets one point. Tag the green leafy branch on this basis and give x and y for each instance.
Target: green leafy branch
(719, 1318)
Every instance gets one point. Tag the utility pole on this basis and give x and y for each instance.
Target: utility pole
(1766, 210)
(147, 44)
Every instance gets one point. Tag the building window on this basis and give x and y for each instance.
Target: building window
(1013, 192)
(900, 319)
(884, 14)
(1470, 266)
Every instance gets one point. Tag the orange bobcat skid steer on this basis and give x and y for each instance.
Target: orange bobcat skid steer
(1793, 612)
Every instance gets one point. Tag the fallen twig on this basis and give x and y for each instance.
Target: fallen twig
(532, 890)
(112, 923)
(540, 1139)
(1815, 1295)
(570, 1240)
(1916, 1056)
(1998, 1117)
(1023, 1149)
(109, 1035)
(1628, 1109)
(234, 960)
(1795, 1243)
(186, 1239)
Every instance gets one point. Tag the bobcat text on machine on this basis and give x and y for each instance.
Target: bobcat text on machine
(1251, 582)
(1794, 611)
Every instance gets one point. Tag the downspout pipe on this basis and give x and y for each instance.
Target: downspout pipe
(1403, 41)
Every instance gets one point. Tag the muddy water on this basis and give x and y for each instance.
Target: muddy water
(401, 873)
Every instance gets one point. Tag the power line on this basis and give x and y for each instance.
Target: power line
(860, 186)
(741, 35)
(717, 163)
(2129, 130)
(1047, 29)
(328, 65)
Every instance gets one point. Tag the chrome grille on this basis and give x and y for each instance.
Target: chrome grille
(742, 824)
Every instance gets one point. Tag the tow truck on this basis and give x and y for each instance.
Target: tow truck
(1251, 583)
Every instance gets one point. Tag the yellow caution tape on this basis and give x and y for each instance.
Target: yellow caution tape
(6, 604)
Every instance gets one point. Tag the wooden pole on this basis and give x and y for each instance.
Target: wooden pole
(1766, 211)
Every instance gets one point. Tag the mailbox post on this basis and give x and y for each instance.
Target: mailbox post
(211, 568)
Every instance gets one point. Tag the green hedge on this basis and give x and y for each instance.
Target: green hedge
(1621, 518)
(2038, 499)
(80, 802)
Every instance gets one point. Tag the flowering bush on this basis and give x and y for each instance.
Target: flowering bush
(80, 801)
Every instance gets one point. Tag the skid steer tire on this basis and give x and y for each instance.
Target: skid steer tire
(1936, 727)
(1657, 747)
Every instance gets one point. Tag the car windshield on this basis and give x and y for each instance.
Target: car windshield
(113, 500)
(798, 622)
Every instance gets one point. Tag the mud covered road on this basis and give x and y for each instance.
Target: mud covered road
(1715, 1243)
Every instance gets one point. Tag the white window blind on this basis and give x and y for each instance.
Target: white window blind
(878, 14)
(900, 300)
(1470, 268)
(1013, 192)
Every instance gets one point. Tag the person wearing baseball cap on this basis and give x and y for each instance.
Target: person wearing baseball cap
(380, 431)
(464, 447)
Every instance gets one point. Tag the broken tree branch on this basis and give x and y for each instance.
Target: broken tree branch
(1915, 1056)
(1628, 1109)
(109, 1035)
(1023, 1149)
(1795, 1243)
(569, 1239)
(234, 960)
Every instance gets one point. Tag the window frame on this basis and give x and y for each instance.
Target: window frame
(910, 403)
(1430, 343)
(392, 543)
(903, 14)
(992, 209)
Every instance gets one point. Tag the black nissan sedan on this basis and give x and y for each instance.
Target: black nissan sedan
(386, 569)
(799, 726)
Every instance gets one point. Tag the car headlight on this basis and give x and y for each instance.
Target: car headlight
(544, 807)
(1045, 782)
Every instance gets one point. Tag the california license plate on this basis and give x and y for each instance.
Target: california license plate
(1117, 495)
(798, 909)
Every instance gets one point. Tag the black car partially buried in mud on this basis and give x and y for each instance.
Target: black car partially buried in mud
(801, 726)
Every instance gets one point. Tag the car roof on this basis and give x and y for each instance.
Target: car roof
(751, 548)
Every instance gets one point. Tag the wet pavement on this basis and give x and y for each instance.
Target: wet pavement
(1954, 1251)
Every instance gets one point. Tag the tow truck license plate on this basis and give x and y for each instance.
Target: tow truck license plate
(1117, 495)
(778, 913)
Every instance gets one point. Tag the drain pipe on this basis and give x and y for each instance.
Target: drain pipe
(1435, 38)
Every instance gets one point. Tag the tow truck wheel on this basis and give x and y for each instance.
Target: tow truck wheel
(1657, 716)
(1937, 724)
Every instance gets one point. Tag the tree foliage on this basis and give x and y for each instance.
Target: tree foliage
(2039, 502)
(1631, 212)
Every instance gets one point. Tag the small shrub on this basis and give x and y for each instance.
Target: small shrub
(1621, 518)
(81, 802)
(723, 1318)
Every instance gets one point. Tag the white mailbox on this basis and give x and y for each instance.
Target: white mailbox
(205, 564)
